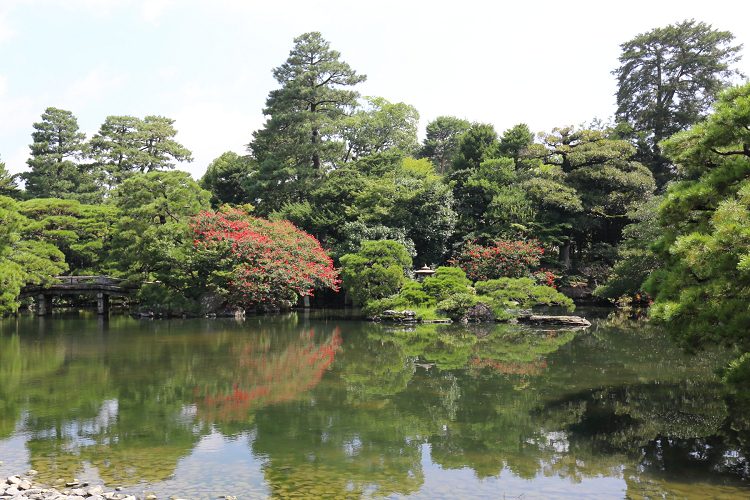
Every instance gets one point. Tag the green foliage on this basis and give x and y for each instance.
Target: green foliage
(225, 179)
(300, 140)
(507, 293)
(376, 271)
(81, 232)
(737, 373)
(584, 192)
(381, 127)
(515, 140)
(445, 282)
(152, 238)
(667, 79)
(457, 304)
(23, 258)
(441, 140)
(8, 184)
(55, 169)
(702, 293)
(126, 144)
(635, 260)
(412, 203)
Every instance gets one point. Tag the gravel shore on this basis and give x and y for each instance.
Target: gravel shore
(22, 487)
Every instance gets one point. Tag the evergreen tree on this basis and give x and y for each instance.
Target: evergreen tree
(441, 140)
(56, 170)
(299, 142)
(667, 80)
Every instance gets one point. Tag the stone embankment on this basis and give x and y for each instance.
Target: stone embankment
(24, 488)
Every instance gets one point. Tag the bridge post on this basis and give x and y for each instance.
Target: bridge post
(102, 303)
(44, 304)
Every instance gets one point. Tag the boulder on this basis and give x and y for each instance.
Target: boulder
(479, 313)
(559, 320)
(210, 301)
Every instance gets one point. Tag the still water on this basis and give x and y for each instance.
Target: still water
(316, 405)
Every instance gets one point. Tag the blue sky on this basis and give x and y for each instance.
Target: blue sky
(208, 64)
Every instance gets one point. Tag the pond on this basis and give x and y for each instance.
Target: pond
(317, 405)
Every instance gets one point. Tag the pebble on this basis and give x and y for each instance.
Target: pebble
(17, 488)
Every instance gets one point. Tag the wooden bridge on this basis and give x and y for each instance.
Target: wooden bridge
(101, 286)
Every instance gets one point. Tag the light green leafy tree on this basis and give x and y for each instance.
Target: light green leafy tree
(152, 240)
(126, 144)
(381, 126)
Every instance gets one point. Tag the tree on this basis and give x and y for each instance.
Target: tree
(299, 141)
(258, 263)
(376, 271)
(702, 294)
(55, 172)
(441, 140)
(593, 182)
(667, 79)
(383, 126)
(152, 240)
(515, 140)
(225, 178)
(23, 259)
(8, 184)
(412, 202)
(126, 144)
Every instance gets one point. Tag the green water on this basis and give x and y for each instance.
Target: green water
(316, 405)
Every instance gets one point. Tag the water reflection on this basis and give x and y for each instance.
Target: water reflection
(326, 408)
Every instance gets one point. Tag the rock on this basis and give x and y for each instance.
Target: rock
(119, 488)
(78, 491)
(150, 497)
(559, 320)
(13, 480)
(76, 497)
(405, 315)
(31, 472)
(71, 484)
(96, 490)
(95, 497)
(24, 485)
(231, 312)
(13, 491)
(210, 301)
(479, 313)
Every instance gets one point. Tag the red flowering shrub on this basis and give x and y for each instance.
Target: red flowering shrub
(506, 259)
(256, 262)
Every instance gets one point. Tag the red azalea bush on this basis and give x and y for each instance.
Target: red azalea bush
(257, 262)
(506, 259)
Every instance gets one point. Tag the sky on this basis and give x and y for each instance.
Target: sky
(207, 65)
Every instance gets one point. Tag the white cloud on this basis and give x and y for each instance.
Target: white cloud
(208, 129)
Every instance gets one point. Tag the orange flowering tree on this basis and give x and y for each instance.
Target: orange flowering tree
(258, 263)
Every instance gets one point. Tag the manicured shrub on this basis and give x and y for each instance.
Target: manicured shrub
(376, 271)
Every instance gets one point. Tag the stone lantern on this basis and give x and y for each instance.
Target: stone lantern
(423, 273)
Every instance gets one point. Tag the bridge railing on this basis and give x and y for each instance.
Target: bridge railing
(74, 280)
